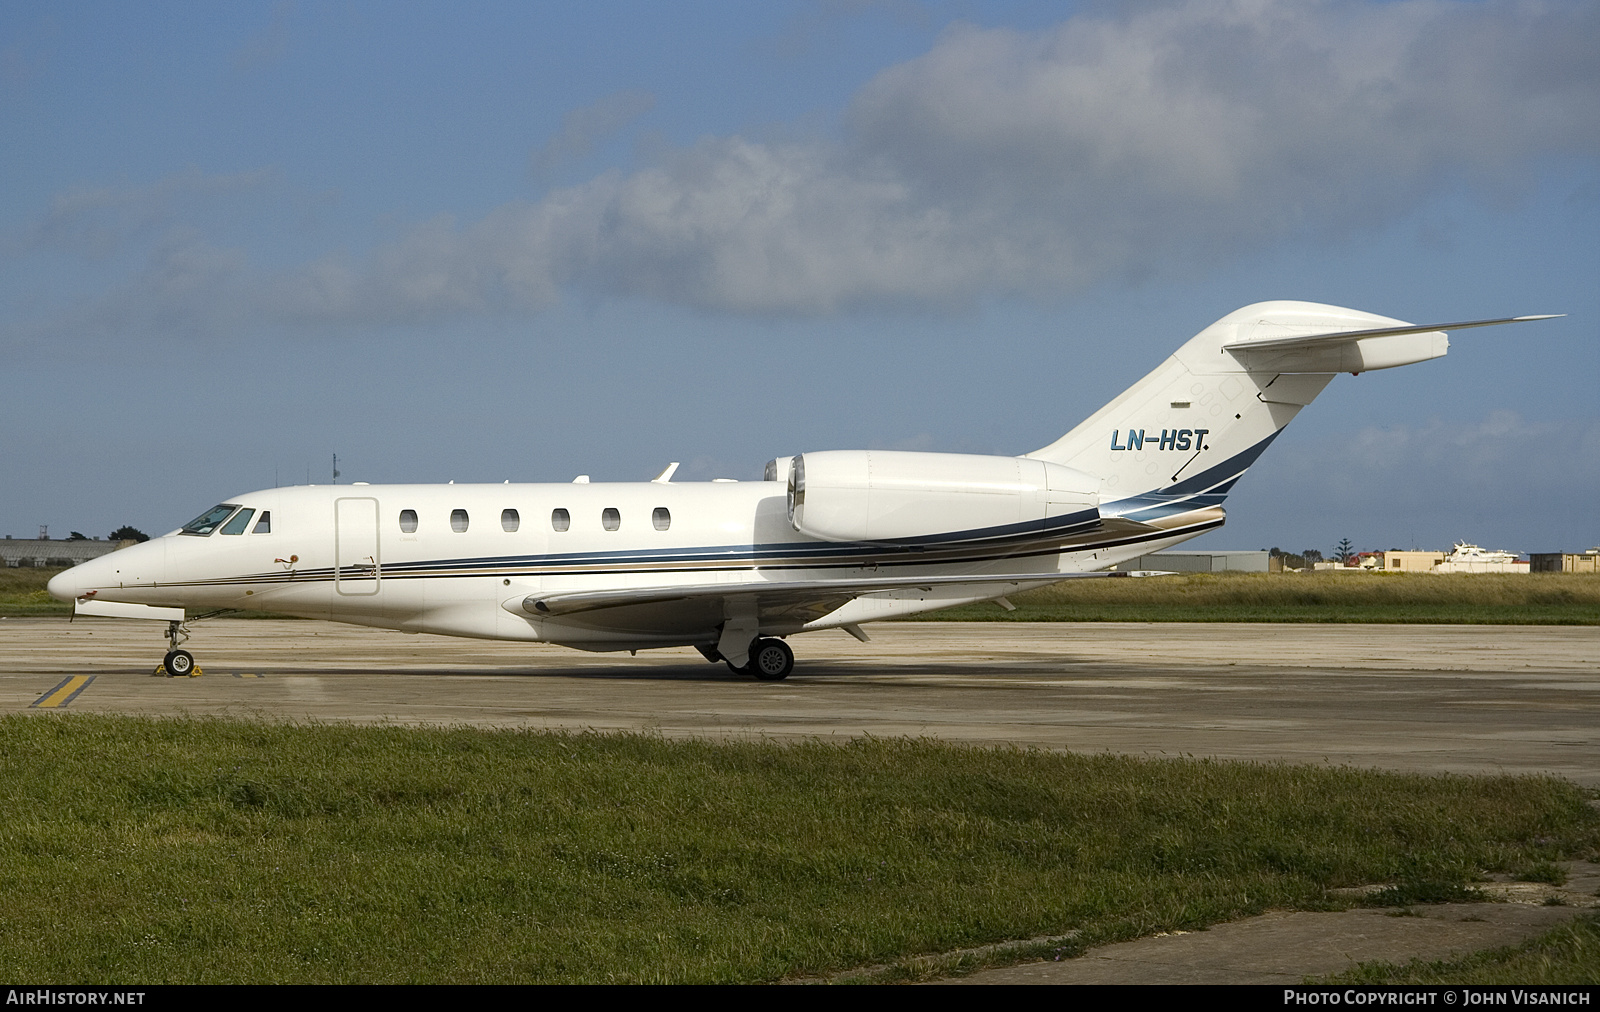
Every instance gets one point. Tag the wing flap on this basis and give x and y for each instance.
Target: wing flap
(769, 595)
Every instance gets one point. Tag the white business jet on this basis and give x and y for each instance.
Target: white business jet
(827, 540)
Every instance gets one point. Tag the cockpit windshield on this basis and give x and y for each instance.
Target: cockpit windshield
(205, 523)
(240, 521)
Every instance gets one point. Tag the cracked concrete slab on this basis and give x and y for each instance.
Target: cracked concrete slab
(1284, 947)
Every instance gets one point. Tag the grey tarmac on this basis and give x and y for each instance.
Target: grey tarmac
(1463, 699)
(1430, 699)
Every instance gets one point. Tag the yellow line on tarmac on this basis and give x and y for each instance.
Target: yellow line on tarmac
(63, 694)
(238, 675)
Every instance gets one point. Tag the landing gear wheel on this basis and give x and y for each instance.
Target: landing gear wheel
(179, 663)
(771, 660)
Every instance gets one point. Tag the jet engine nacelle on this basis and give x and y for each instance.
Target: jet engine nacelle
(896, 496)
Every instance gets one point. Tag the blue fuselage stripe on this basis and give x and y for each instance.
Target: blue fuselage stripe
(1208, 488)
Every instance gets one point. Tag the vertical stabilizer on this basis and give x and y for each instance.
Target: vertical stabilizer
(1180, 438)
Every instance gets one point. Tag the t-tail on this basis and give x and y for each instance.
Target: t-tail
(1171, 447)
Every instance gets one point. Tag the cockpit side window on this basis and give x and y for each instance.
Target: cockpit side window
(240, 521)
(264, 525)
(202, 525)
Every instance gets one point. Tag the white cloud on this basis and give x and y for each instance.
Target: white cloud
(1502, 449)
(184, 286)
(1495, 479)
(1198, 122)
(267, 46)
(1004, 162)
(99, 221)
(583, 128)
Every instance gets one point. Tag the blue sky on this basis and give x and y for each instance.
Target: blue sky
(525, 241)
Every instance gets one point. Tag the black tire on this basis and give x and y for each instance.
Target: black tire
(179, 663)
(771, 660)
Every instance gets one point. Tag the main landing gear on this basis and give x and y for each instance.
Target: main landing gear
(177, 663)
(771, 660)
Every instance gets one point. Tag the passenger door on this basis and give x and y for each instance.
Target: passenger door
(358, 568)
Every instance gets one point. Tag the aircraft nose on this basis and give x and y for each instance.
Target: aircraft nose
(67, 585)
(84, 578)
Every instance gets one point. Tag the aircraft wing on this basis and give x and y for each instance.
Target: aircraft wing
(1339, 337)
(771, 594)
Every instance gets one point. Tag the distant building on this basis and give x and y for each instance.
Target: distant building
(1409, 562)
(1464, 558)
(54, 554)
(1566, 562)
(1198, 562)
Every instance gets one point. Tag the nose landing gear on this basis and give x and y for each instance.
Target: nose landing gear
(177, 663)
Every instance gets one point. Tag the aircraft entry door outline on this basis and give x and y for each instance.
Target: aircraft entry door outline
(357, 565)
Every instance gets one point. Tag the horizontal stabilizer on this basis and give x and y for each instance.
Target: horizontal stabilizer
(119, 609)
(1338, 337)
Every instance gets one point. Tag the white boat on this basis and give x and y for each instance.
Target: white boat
(1465, 558)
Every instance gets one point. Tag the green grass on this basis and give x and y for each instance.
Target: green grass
(1569, 954)
(1479, 598)
(22, 593)
(1536, 599)
(215, 851)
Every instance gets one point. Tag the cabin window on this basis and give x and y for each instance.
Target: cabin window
(509, 521)
(264, 525)
(202, 525)
(408, 521)
(458, 521)
(610, 519)
(661, 517)
(560, 519)
(240, 521)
